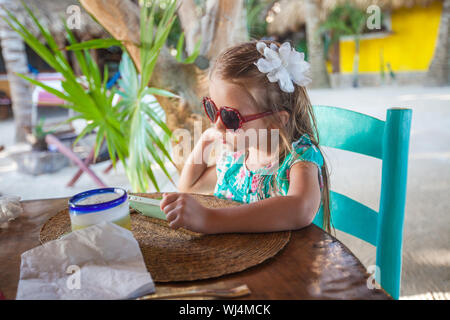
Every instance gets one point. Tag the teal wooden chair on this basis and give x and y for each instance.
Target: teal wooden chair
(386, 140)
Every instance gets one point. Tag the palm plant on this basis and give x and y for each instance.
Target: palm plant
(346, 20)
(129, 126)
(37, 138)
(256, 24)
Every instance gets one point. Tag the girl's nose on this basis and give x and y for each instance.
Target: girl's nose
(219, 125)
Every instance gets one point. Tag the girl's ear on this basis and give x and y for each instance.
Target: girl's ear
(284, 116)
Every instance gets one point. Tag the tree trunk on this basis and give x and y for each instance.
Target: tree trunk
(189, 20)
(356, 64)
(334, 56)
(121, 19)
(315, 45)
(14, 56)
(222, 26)
(217, 29)
(438, 72)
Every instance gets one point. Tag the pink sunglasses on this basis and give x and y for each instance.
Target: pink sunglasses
(231, 118)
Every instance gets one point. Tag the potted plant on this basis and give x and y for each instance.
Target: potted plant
(37, 137)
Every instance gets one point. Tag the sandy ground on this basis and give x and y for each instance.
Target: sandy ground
(426, 250)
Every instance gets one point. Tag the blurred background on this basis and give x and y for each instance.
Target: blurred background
(365, 55)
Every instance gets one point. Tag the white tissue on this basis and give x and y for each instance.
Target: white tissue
(103, 261)
(10, 208)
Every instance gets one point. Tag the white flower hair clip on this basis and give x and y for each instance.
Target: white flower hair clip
(283, 64)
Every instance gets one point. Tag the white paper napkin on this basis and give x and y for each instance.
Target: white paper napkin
(103, 261)
(10, 208)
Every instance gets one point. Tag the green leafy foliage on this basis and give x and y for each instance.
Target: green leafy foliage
(94, 44)
(39, 132)
(144, 119)
(176, 30)
(256, 22)
(344, 20)
(190, 59)
(133, 129)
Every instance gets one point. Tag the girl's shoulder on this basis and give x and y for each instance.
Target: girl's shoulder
(303, 150)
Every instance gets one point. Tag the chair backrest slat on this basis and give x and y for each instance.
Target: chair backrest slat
(352, 217)
(386, 140)
(349, 130)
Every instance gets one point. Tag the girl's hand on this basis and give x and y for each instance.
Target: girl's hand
(211, 135)
(210, 139)
(182, 210)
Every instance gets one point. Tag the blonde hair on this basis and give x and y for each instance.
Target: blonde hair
(236, 64)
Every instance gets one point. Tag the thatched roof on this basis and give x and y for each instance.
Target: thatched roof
(50, 14)
(291, 16)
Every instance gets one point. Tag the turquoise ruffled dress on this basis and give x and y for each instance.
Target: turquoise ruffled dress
(236, 182)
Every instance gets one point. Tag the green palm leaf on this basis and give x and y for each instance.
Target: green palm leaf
(94, 44)
(134, 129)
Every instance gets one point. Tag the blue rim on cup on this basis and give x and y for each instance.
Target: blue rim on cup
(78, 209)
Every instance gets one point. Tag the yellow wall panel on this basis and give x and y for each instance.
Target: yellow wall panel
(410, 47)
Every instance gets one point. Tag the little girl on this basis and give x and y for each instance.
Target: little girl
(255, 86)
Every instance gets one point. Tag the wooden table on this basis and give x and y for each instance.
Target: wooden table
(313, 265)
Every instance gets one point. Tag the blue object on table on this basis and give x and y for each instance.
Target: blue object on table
(113, 80)
(386, 140)
(79, 209)
(33, 70)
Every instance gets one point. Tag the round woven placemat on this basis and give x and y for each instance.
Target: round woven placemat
(182, 255)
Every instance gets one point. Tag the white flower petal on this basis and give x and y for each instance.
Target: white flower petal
(296, 57)
(264, 65)
(260, 46)
(285, 51)
(272, 57)
(302, 80)
(286, 46)
(305, 66)
(273, 76)
(284, 80)
(283, 64)
(298, 71)
(296, 74)
(299, 77)
(286, 86)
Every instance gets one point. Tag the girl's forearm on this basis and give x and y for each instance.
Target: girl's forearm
(269, 215)
(205, 183)
(194, 167)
